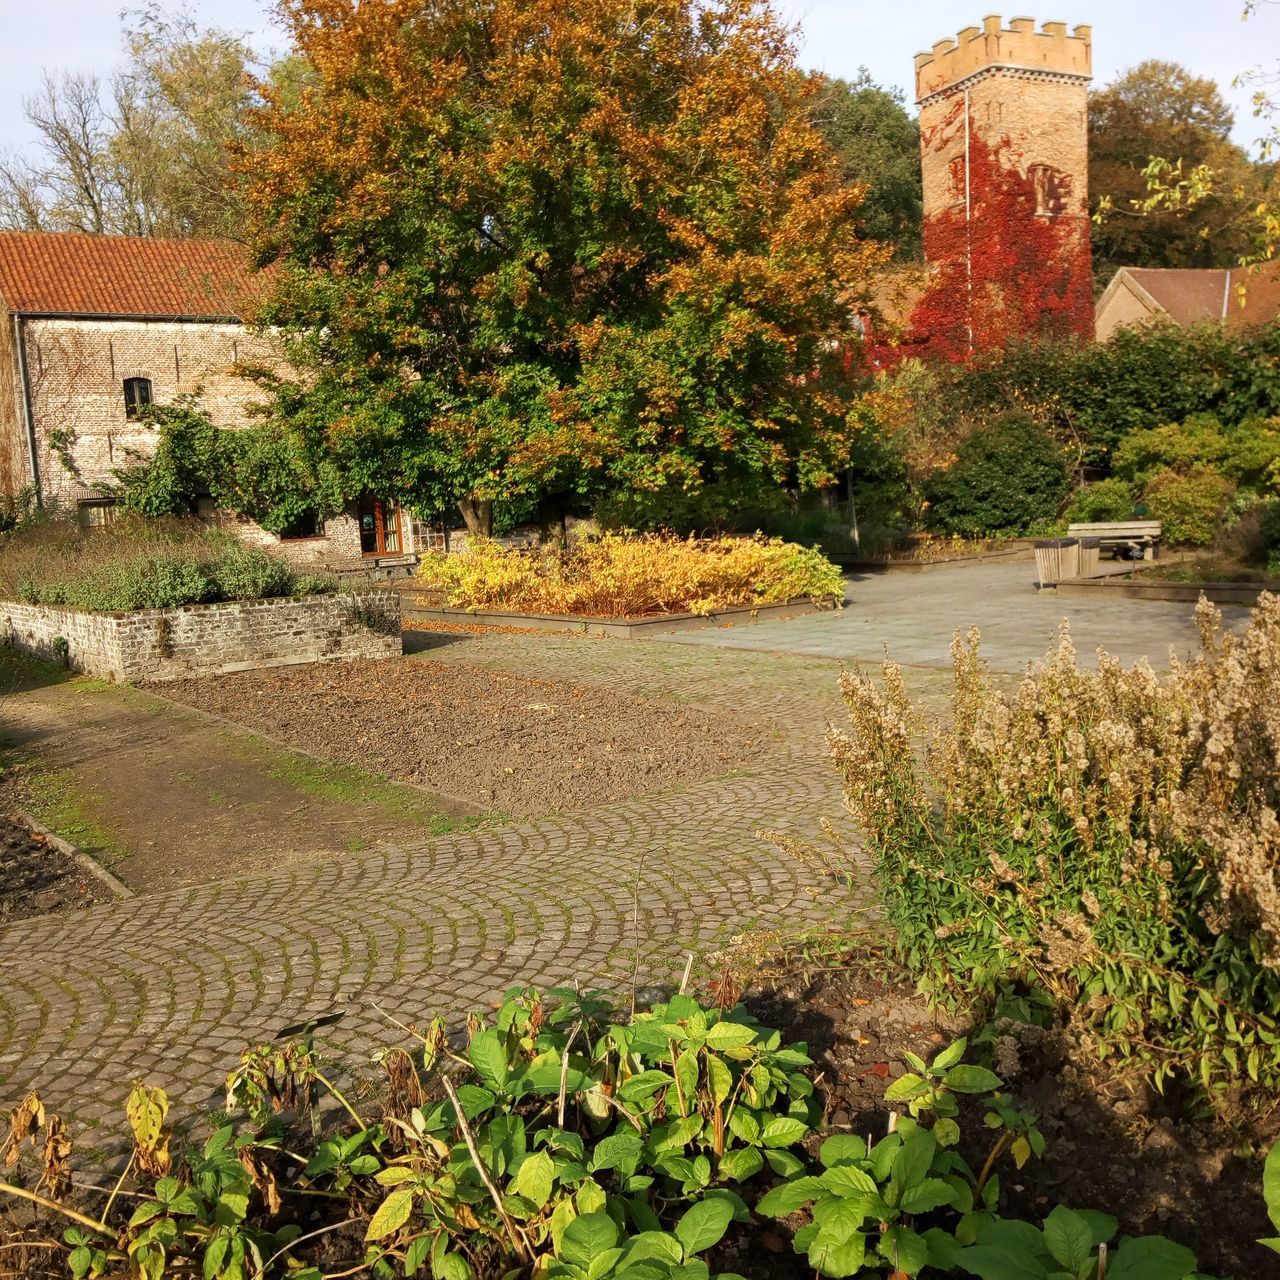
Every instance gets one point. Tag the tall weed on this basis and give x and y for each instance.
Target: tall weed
(1099, 849)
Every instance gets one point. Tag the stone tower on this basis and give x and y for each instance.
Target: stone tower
(1004, 154)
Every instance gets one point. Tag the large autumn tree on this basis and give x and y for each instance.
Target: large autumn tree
(561, 252)
(1161, 109)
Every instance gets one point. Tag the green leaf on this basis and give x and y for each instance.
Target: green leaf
(784, 1163)
(1271, 1184)
(702, 1225)
(848, 1180)
(906, 1250)
(488, 1054)
(998, 1262)
(687, 1076)
(453, 1266)
(947, 1132)
(416, 1254)
(719, 1079)
(971, 1079)
(839, 1257)
(741, 1163)
(586, 1237)
(1102, 1226)
(391, 1214)
(214, 1255)
(950, 1055)
(729, 1035)
(932, 1193)
(783, 1131)
(842, 1148)
(80, 1259)
(618, 1150)
(535, 1178)
(643, 1085)
(653, 1244)
(906, 1086)
(789, 1197)
(1151, 1258)
(1068, 1238)
(744, 1125)
(912, 1160)
(837, 1217)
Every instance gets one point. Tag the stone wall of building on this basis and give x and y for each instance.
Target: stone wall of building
(166, 644)
(1004, 161)
(77, 370)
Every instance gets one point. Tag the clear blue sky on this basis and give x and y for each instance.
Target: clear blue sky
(838, 36)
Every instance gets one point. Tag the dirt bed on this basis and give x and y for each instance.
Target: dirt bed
(505, 742)
(1143, 1158)
(36, 879)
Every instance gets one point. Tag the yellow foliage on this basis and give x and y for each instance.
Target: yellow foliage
(630, 577)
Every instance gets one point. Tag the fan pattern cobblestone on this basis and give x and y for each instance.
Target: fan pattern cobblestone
(171, 986)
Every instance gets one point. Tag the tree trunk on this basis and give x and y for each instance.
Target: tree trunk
(477, 514)
(553, 527)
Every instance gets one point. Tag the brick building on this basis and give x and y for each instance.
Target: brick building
(93, 328)
(1004, 157)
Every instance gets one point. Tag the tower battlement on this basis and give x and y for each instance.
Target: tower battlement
(1016, 48)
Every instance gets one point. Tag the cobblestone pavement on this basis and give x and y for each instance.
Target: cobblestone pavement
(170, 986)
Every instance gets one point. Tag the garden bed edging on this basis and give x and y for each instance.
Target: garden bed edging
(620, 627)
(203, 639)
(1238, 593)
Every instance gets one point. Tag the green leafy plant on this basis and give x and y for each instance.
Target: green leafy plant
(1093, 852)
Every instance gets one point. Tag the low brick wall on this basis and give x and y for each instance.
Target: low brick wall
(166, 644)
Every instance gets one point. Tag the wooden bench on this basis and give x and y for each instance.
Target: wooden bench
(1132, 539)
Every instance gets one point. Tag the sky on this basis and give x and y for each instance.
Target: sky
(837, 36)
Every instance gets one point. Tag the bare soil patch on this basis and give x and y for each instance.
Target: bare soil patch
(503, 741)
(36, 879)
(1146, 1159)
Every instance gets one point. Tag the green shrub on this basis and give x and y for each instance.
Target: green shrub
(1008, 478)
(1111, 499)
(1269, 528)
(136, 563)
(1096, 851)
(1189, 506)
(248, 573)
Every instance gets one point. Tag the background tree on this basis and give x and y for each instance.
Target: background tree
(1161, 109)
(526, 250)
(878, 145)
(146, 154)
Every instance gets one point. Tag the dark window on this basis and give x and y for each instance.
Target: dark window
(96, 513)
(308, 525)
(1052, 189)
(137, 395)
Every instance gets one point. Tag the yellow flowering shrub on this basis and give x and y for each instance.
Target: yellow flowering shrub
(1097, 851)
(617, 576)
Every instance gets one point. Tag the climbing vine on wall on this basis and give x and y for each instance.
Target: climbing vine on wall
(1006, 271)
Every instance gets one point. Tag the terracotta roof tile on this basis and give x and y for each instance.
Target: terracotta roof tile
(69, 273)
(1190, 295)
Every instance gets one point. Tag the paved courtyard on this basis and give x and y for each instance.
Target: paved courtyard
(169, 986)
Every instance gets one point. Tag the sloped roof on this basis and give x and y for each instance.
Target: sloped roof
(1190, 295)
(73, 274)
(1261, 296)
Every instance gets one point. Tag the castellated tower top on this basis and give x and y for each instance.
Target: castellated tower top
(1019, 49)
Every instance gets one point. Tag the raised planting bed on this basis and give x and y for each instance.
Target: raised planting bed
(1136, 587)
(1019, 549)
(621, 627)
(167, 644)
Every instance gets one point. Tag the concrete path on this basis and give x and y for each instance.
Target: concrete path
(913, 616)
(170, 986)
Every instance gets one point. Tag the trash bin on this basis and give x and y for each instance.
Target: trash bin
(1090, 555)
(1057, 559)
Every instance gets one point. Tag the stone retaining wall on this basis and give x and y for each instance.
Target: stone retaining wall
(166, 644)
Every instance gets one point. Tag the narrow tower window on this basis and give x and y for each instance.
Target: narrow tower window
(137, 395)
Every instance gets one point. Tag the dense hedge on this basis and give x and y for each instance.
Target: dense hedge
(1009, 477)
